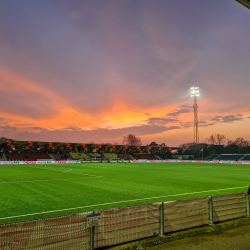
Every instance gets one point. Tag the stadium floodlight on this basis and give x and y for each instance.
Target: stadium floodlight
(245, 3)
(195, 92)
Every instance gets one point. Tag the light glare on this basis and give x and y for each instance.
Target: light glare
(195, 92)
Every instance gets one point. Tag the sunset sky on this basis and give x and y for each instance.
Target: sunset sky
(97, 70)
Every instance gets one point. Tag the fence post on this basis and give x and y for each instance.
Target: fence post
(162, 219)
(247, 204)
(210, 203)
(92, 234)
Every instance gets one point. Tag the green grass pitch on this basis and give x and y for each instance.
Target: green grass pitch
(37, 189)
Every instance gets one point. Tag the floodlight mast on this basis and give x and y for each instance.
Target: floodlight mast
(195, 92)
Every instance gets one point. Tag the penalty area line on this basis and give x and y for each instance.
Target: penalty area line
(117, 202)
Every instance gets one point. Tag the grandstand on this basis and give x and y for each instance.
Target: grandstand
(96, 157)
(212, 157)
(246, 158)
(165, 156)
(145, 156)
(170, 157)
(63, 156)
(26, 156)
(125, 157)
(162, 156)
(229, 157)
(34, 150)
(109, 156)
(79, 156)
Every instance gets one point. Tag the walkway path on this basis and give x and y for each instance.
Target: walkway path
(227, 239)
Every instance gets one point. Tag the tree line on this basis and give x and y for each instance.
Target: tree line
(217, 144)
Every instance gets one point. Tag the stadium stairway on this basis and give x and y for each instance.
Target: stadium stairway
(3, 157)
(159, 158)
(242, 158)
(216, 158)
(212, 157)
(132, 157)
(52, 157)
(245, 158)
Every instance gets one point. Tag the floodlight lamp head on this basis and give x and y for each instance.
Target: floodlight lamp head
(195, 92)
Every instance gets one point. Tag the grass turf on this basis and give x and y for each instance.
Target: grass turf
(29, 189)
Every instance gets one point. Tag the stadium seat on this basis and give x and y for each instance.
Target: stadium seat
(110, 156)
(125, 157)
(165, 156)
(212, 157)
(65, 156)
(145, 156)
(79, 156)
(226, 157)
(246, 158)
(26, 156)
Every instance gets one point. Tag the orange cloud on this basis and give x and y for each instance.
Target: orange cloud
(59, 110)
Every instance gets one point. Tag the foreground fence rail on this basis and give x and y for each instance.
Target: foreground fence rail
(109, 227)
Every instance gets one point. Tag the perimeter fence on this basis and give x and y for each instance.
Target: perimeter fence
(104, 228)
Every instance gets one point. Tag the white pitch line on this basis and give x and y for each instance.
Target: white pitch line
(116, 202)
(48, 180)
(197, 167)
(65, 171)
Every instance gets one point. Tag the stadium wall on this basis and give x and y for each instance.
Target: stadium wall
(37, 162)
(194, 161)
(116, 161)
(104, 228)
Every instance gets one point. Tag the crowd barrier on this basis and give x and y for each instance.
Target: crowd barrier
(105, 228)
(159, 161)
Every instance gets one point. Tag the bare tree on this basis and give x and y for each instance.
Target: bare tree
(211, 139)
(216, 139)
(186, 147)
(240, 142)
(131, 140)
(229, 142)
(220, 138)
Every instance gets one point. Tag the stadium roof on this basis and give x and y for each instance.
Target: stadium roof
(245, 3)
